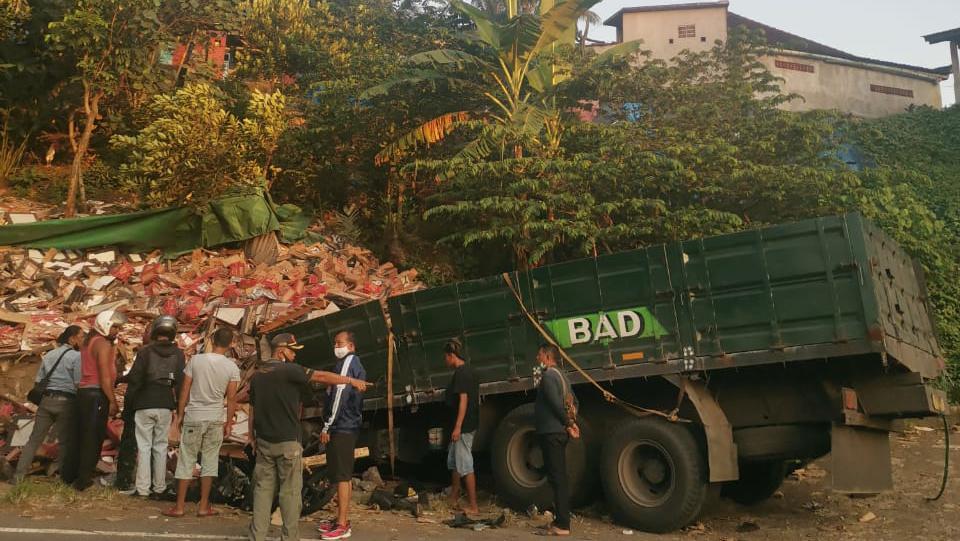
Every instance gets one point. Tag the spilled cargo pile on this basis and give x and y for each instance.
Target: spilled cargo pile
(42, 291)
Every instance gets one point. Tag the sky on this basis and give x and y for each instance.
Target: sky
(890, 30)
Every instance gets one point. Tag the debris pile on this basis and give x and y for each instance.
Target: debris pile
(43, 291)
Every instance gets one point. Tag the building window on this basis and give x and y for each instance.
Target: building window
(687, 31)
(795, 66)
(893, 91)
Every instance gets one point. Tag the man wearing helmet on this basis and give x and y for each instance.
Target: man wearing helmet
(96, 400)
(154, 381)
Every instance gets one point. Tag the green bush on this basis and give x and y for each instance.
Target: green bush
(43, 184)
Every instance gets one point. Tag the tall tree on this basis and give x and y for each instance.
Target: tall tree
(510, 80)
(114, 45)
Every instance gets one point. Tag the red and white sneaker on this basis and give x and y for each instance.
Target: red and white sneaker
(340, 532)
(327, 526)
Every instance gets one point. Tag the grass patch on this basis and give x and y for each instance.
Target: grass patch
(54, 493)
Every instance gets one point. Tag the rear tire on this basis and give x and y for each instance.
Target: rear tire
(518, 469)
(654, 475)
(758, 482)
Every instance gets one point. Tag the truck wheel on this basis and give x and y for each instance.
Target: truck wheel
(654, 475)
(758, 481)
(518, 468)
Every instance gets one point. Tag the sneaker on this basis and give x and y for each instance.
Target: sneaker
(340, 532)
(327, 526)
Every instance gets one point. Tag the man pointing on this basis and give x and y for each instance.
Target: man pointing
(276, 391)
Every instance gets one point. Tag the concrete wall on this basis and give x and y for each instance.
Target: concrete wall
(846, 86)
(657, 28)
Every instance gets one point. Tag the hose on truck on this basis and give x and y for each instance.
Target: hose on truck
(946, 458)
(607, 395)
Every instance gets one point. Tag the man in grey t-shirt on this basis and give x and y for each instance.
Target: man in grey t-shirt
(209, 378)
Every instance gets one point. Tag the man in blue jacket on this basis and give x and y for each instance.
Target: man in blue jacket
(344, 414)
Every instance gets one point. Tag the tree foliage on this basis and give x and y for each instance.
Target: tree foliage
(921, 150)
(463, 123)
(192, 150)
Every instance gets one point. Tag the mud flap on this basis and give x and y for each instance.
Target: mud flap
(721, 450)
(860, 460)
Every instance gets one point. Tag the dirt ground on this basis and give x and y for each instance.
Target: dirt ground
(803, 509)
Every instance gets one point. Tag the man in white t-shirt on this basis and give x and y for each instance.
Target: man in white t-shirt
(208, 379)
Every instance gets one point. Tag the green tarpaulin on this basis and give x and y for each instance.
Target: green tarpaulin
(173, 230)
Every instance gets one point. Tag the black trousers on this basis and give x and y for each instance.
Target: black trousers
(127, 454)
(86, 438)
(554, 447)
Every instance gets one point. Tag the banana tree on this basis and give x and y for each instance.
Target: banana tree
(514, 72)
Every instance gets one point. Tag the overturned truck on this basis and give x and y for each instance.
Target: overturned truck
(764, 348)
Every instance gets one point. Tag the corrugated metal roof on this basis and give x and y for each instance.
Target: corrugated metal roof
(785, 40)
(946, 35)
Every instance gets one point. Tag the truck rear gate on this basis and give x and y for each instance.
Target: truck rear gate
(831, 306)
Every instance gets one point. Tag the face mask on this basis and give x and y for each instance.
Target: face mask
(341, 352)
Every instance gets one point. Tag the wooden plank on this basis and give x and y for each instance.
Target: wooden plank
(321, 459)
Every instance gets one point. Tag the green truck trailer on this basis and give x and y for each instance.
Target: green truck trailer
(772, 346)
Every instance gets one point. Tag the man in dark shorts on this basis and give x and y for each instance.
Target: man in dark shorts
(463, 399)
(275, 394)
(344, 413)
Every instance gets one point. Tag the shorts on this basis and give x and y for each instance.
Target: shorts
(203, 438)
(340, 456)
(460, 454)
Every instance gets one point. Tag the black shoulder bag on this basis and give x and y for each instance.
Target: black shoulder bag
(36, 394)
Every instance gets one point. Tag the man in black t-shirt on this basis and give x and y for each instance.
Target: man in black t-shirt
(463, 398)
(274, 432)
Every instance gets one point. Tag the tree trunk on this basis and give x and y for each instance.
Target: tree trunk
(91, 108)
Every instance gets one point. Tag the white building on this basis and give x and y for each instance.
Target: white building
(825, 77)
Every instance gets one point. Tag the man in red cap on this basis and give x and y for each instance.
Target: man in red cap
(275, 394)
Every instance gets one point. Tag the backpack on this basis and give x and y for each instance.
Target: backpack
(161, 369)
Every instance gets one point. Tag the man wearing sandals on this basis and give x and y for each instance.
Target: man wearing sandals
(276, 391)
(463, 400)
(208, 379)
(555, 416)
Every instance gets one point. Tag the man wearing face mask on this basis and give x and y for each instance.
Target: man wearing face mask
(344, 412)
(61, 369)
(274, 427)
(96, 400)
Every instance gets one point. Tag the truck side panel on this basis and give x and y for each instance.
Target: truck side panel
(774, 288)
(816, 289)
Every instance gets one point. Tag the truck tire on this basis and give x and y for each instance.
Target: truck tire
(517, 463)
(654, 475)
(758, 481)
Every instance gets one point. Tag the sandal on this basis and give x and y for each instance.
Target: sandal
(208, 513)
(172, 513)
